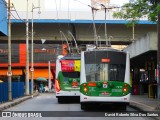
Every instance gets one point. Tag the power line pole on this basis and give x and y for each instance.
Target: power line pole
(9, 73)
(158, 54)
(27, 56)
(49, 76)
(32, 53)
(32, 62)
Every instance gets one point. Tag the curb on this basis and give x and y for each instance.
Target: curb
(141, 106)
(14, 102)
(144, 108)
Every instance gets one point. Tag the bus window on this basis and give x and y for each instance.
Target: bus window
(104, 72)
(113, 72)
(117, 72)
(71, 74)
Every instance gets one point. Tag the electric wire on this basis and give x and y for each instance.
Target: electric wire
(17, 13)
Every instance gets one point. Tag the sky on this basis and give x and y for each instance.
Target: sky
(120, 2)
(74, 5)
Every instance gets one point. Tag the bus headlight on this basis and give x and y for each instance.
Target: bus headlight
(85, 89)
(124, 89)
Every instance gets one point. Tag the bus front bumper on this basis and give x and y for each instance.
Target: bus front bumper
(84, 98)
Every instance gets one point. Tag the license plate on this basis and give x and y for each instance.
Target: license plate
(105, 93)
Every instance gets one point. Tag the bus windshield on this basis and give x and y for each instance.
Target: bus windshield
(71, 74)
(105, 72)
(105, 65)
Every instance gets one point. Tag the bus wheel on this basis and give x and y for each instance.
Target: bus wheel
(83, 106)
(123, 107)
(60, 100)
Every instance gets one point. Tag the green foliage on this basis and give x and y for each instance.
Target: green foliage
(136, 10)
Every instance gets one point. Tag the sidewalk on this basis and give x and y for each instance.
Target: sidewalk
(144, 103)
(9, 104)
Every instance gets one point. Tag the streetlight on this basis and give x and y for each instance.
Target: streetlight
(32, 62)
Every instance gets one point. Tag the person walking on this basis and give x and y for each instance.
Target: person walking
(41, 88)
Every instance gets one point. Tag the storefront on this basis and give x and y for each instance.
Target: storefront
(42, 55)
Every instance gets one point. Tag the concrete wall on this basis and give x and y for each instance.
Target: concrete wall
(146, 43)
(84, 32)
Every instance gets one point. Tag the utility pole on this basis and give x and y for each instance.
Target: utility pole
(158, 55)
(49, 76)
(9, 73)
(32, 54)
(32, 64)
(27, 56)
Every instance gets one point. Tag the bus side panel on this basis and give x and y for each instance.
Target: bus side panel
(58, 67)
(127, 71)
(82, 73)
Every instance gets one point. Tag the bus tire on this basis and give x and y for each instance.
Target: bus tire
(60, 100)
(123, 107)
(83, 106)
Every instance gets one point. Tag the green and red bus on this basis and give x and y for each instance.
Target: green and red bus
(105, 78)
(67, 83)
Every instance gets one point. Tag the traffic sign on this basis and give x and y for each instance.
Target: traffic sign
(9, 73)
(31, 69)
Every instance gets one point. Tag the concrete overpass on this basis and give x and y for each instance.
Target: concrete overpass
(81, 29)
(143, 58)
(143, 50)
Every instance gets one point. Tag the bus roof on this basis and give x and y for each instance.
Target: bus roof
(106, 48)
(72, 57)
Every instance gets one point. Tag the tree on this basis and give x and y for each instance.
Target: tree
(133, 11)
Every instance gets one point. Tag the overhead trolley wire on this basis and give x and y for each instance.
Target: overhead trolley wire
(56, 9)
(17, 13)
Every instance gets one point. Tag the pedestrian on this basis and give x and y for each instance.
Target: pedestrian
(154, 89)
(41, 88)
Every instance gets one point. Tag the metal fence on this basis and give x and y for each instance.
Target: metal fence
(17, 90)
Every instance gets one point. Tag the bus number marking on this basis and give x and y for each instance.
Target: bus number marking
(119, 87)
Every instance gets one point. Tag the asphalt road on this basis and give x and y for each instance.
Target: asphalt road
(46, 105)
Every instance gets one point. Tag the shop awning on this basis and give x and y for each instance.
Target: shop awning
(41, 73)
(14, 72)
